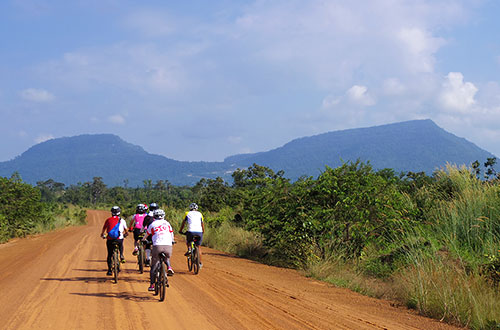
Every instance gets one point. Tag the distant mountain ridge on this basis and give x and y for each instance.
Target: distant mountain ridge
(417, 145)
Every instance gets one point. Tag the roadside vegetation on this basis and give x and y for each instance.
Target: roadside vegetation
(431, 243)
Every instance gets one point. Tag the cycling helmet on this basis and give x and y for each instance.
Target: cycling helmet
(159, 214)
(153, 206)
(145, 207)
(116, 210)
(140, 208)
(193, 206)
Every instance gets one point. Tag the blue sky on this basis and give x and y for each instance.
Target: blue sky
(203, 80)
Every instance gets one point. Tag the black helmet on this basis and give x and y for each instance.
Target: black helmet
(140, 208)
(153, 206)
(193, 206)
(116, 210)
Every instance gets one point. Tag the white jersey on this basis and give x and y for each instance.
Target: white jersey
(161, 231)
(193, 221)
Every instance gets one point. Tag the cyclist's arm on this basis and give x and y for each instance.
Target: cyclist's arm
(182, 225)
(104, 227)
(132, 224)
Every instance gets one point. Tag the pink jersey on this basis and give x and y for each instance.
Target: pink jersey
(139, 219)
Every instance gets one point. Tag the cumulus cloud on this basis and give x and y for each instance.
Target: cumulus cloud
(44, 137)
(358, 94)
(36, 95)
(457, 95)
(116, 119)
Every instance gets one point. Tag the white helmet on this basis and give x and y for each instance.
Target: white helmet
(159, 214)
(193, 206)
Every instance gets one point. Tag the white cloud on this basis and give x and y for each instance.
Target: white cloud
(234, 139)
(116, 119)
(393, 86)
(421, 47)
(330, 101)
(359, 95)
(140, 68)
(44, 137)
(36, 95)
(151, 23)
(457, 95)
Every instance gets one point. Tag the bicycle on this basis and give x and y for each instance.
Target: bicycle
(161, 280)
(193, 258)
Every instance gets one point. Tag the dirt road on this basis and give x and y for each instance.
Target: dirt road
(58, 281)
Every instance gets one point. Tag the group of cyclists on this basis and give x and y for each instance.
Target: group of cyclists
(149, 225)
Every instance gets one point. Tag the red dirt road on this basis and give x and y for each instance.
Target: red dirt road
(57, 281)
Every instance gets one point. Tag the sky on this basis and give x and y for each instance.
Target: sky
(203, 80)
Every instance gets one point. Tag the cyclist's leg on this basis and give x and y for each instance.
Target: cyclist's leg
(147, 249)
(189, 239)
(154, 264)
(120, 245)
(137, 232)
(168, 251)
(109, 246)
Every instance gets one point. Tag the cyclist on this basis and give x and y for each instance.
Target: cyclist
(195, 227)
(136, 225)
(163, 237)
(116, 229)
(148, 219)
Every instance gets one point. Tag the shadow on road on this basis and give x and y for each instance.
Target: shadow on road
(118, 295)
(93, 279)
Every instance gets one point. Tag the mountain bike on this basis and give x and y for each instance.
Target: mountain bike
(161, 280)
(193, 258)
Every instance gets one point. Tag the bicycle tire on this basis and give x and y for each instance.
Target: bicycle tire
(115, 264)
(190, 259)
(140, 258)
(196, 260)
(162, 280)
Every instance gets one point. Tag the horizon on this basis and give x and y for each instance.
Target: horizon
(197, 81)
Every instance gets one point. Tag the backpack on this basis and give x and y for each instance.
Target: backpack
(115, 232)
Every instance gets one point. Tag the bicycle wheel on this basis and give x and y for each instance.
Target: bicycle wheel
(162, 281)
(140, 258)
(190, 260)
(116, 263)
(196, 260)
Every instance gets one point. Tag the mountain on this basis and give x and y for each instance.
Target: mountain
(80, 158)
(418, 145)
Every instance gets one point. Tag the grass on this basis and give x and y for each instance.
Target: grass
(64, 216)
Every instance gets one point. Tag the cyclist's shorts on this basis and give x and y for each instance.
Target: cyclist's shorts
(137, 232)
(190, 234)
